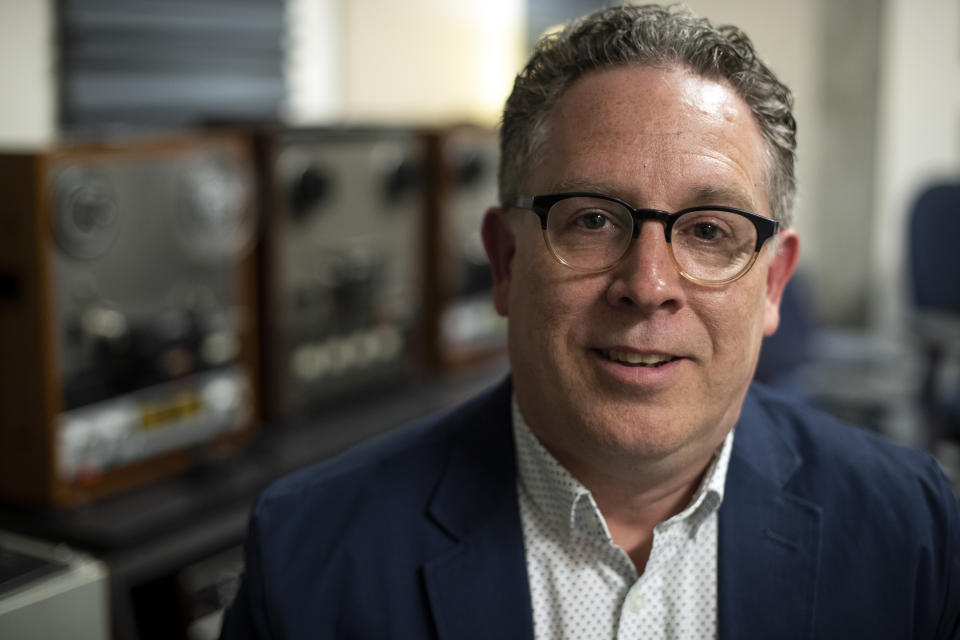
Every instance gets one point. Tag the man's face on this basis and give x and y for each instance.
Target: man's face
(656, 138)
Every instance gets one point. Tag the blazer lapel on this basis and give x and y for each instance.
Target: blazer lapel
(478, 588)
(769, 544)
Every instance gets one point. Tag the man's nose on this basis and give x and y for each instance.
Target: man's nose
(646, 278)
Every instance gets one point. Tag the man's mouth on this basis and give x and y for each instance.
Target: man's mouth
(634, 359)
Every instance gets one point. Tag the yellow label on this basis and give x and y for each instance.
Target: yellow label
(160, 413)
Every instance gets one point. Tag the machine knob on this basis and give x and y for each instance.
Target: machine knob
(471, 168)
(402, 178)
(312, 187)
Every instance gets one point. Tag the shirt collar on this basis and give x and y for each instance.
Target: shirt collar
(568, 505)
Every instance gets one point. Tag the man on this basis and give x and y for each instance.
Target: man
(627, 481)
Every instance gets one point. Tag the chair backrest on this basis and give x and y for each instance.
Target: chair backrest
(934, 248)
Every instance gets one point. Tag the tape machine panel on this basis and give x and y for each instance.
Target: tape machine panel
(346, 273)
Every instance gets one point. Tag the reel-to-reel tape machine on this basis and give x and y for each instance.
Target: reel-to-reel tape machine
(127, 322)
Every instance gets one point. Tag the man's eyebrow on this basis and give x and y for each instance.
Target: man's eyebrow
(722, 195)
(587, 185)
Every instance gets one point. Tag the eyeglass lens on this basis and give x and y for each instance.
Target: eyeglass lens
(593, 234)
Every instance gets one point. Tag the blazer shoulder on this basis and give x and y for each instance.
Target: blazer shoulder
(888, 520)
(404, 463)
(847, 461)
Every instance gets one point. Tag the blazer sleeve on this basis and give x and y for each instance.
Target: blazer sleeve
(948, 627)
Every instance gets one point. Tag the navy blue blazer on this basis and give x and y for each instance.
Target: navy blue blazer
(826, 531)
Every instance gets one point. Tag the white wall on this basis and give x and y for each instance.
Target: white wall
(424, 60)
(417, 61)
(27, 93)
(313, 66)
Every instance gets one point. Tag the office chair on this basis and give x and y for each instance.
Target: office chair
(934, 269)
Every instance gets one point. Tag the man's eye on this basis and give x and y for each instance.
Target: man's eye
(592, 220)
(707, 231)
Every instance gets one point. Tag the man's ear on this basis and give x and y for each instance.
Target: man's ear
(499, 242)
(782, 265)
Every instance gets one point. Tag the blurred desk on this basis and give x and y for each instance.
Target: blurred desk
(147, 536)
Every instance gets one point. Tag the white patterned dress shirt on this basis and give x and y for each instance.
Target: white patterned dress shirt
(585, 587)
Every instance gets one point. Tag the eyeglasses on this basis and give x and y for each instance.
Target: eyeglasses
(588, 232)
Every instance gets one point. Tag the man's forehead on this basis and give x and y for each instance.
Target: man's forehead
(613, 123)
(663, 94)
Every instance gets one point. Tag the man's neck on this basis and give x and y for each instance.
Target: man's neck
(634, 498)
(631, 518)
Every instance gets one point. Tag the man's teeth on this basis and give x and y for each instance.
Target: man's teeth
(637, 359)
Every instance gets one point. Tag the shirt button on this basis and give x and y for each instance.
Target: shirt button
(635, 603)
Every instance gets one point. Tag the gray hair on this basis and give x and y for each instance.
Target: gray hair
(648, 35)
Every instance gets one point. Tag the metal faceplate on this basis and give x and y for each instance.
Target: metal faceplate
(350, 251)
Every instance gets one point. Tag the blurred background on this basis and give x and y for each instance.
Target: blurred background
(240, 236)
